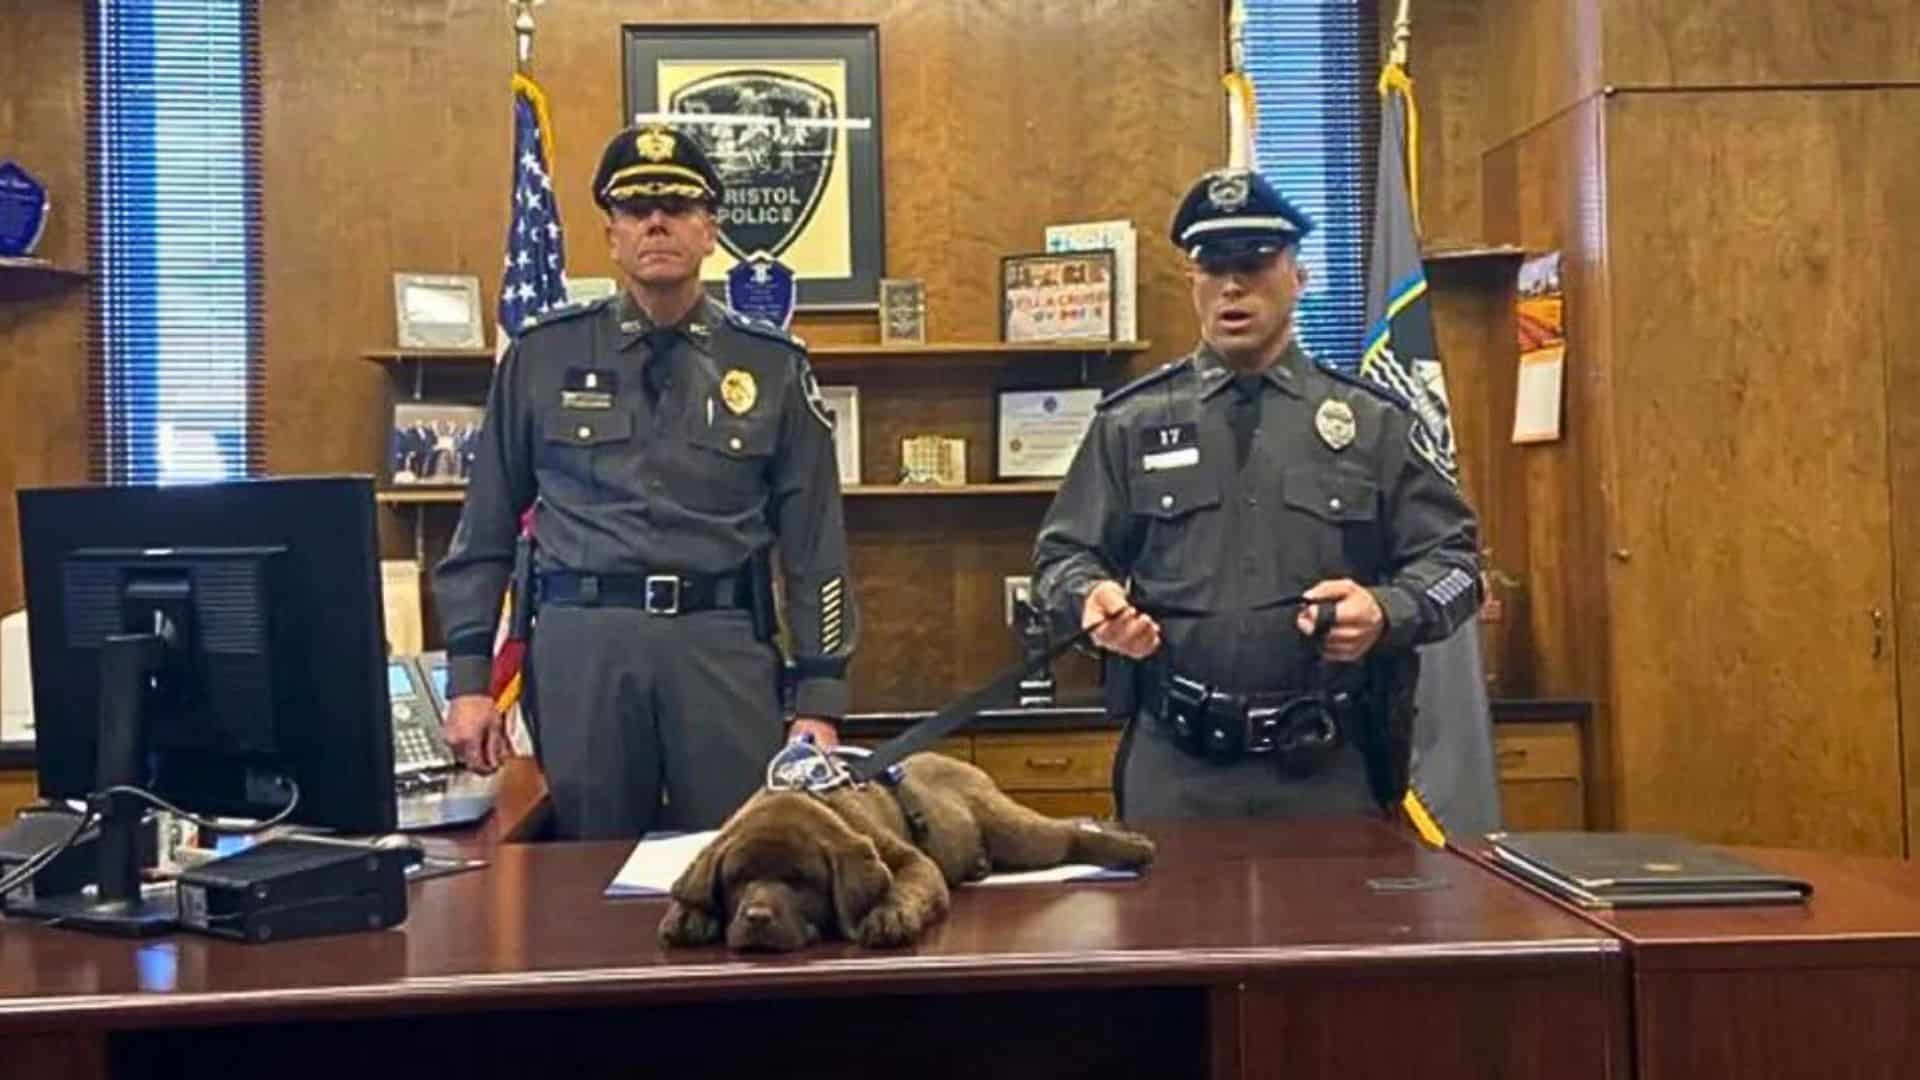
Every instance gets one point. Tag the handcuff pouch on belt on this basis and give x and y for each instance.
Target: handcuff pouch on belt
(1301, 730)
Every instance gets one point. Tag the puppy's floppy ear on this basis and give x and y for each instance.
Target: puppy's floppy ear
(860, 880)
(698, 886)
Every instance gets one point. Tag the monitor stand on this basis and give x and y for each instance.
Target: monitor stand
(117, 906)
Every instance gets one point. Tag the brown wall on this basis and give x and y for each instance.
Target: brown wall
(43, 357)
(385, 133)
(1737, 464)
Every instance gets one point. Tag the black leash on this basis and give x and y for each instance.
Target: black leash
(958, 713)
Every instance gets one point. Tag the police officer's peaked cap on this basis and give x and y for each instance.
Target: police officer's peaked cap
(654, 161)
(1231, 212)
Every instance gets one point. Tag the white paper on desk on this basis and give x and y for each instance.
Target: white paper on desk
(655, 864)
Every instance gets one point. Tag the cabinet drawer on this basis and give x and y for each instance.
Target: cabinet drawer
(1537, 751)
(1069, 761)
(1542, 805)
(1069, 804)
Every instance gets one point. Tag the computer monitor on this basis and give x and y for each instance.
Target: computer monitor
(237, 627)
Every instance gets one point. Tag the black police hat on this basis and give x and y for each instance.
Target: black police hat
(651, 162)
(1231, 212)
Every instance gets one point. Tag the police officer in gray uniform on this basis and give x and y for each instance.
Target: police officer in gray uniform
(1211, 494)
(665, 443)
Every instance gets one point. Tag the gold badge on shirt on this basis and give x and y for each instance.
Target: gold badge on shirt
(1334, 422)
(738, 391)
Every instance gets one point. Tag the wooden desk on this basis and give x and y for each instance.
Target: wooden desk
(1826, 990)
(1259, 950)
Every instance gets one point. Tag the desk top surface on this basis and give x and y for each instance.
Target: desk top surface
(532, 929)
(1863, 912)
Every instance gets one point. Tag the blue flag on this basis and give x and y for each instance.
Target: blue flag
(536, 272)
(1453, 773)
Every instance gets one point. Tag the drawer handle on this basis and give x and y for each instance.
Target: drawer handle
(1049, 764)
(1512, 758)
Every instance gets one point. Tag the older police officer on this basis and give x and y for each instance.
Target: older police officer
(665, 443)
(1222, 487)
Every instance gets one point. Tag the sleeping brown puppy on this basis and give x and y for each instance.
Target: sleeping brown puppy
(789, 868)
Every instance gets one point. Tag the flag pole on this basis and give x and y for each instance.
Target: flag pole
(1402, 33)
(523, 35)
(1240, 109)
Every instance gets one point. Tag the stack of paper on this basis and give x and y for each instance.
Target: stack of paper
(657, 862)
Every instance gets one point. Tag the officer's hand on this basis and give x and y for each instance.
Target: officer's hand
(1357, 619)
(1128, 631)
(476, 732)
(825, 735)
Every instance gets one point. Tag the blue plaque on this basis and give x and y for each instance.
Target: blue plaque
(23, 211)
(763, 287)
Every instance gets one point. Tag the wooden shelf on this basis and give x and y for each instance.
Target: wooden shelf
(439, 356)
(454, 496)
(1464, 254)
(423, 497)
(980, 348)
(34, 279)
(1010, 487)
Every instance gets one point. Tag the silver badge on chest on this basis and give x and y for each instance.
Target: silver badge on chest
(1334, 422)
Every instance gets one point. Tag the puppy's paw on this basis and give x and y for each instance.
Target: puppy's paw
(891, 925)
(683, 925)
(981, 869)
(1112, 847)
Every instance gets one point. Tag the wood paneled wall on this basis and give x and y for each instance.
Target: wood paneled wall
(1738, 464)
(43, 352)
(386, 128)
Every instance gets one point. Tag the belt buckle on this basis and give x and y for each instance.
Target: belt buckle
(1262, 724)
(663, 594)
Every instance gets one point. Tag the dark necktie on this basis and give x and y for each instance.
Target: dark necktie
(1243, 415)
(659, 355)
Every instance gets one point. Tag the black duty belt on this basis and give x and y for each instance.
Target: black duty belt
(1298, 727)
(655, 594)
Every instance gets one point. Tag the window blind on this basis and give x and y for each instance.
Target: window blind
(176, 344)
(1314, 65)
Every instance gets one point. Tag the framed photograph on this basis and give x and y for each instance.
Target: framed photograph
(1061, 296)
(903, 311)
(432, 443)
(437, 311)
(1037, 432)
(843, 408)
(790, 116)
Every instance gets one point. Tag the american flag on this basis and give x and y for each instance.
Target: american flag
(536, 277)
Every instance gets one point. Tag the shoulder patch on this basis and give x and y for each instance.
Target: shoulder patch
(565, 312)
(1160, 374)
(1368, 385)
(761, 328)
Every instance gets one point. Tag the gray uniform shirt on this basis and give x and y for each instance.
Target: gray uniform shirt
(687, 451)
(1331, 488)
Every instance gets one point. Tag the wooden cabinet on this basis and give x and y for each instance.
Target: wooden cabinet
(1542, 782)
(1064, 772)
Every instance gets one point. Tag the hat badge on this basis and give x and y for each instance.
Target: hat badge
(1228, 191)
(1334, 422)
(654, 144)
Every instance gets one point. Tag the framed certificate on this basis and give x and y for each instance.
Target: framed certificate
(1060, 296)
(843, 408)
(437, 311)
(1037, 432)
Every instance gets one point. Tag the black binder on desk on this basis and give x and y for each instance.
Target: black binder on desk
(1631, 870)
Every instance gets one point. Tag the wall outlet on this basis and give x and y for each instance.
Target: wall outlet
(1015, 587)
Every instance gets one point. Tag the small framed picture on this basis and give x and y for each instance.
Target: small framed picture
(843, 409)
(939, 460)
(432, 443)
(1037, 432)
(437, 311)
(903, 311)
(1060, 296)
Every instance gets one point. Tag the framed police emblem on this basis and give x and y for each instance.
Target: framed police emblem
(790, 118)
